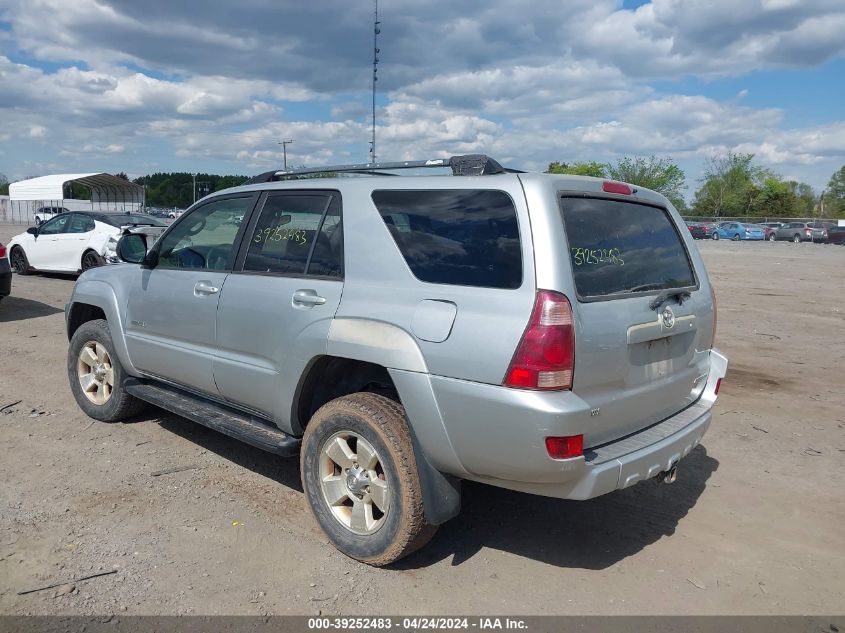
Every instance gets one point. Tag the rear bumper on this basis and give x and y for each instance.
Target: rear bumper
(509, 450)
(5, 277)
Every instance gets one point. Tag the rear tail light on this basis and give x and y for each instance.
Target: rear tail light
(808, 232)
(718, 386)
(565, 447)
(609, 186)
(546, 354)
(2, 251)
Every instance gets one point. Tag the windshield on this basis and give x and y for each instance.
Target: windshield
(132, 219)
(620, 248)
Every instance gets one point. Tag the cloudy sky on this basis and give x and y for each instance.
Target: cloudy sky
(189, 85)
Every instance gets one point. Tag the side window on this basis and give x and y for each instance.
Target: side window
(56, 225)
(292, 236)
(327, 256)
(205, 239)
(465, 237)
(80, 223)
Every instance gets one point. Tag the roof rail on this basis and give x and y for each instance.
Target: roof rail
(467, 165)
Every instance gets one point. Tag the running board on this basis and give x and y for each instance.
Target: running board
(241, 426)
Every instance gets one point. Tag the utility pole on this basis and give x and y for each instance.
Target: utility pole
(284, 145)
(376, 51)
(194, 178)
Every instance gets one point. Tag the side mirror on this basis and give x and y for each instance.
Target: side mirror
(132, 248)
(33, 230)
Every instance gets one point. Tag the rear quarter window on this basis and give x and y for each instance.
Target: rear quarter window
(619, 249)
(465, 237)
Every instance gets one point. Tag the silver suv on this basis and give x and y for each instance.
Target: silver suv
(401, 333)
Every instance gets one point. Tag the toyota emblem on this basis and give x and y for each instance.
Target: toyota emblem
(668, 318)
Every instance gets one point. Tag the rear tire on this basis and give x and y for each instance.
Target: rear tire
(96, 376)
(18, 260)
(796, 238)
(350, 442)
(91, 259)
(715, 236)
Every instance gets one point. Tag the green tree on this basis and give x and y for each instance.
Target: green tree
(177, 189)
(806, 197)
(834, 198)
(729, 186)
(777, 198)
(658, 174)
(4, 185)
(597, 170)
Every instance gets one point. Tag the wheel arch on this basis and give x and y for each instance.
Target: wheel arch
(368, 355)
(93, 299)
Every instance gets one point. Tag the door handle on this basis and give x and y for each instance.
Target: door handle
(308, 298)
(205, 288)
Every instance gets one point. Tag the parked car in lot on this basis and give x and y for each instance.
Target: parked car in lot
(738, 231)
(701, 230)
(768, 231)
(350, 320)
(5, 273)
(46, 213)
(802, 232)
(836, 235)
(72, 241)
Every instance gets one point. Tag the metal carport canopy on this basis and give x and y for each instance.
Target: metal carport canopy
(104, 188)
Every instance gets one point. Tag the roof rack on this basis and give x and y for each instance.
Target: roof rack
(467, 165)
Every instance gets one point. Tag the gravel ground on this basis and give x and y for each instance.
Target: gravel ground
(754, 525)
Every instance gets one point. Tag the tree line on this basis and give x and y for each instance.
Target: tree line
(176, 189)
(733, 185)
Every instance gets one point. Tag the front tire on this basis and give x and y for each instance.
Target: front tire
(735, 238)
(18, 261)
(772, 237)
(715, 236)
(360, 477)
(96, 376)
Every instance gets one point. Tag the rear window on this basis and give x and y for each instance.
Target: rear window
(464, 237)
(622, 248)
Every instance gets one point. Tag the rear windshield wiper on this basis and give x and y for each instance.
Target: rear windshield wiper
(680, 294)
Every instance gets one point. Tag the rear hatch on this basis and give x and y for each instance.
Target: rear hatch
(636, 362)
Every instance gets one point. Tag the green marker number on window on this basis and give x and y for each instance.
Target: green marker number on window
(587, 256)
(277, 234)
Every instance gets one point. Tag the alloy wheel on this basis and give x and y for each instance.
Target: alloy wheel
(95, 372)
(353, 483)
(89, 261)
(19, 261)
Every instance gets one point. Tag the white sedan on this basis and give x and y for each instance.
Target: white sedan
(73, 241)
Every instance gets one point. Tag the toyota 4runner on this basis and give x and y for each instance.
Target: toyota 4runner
(544, 333)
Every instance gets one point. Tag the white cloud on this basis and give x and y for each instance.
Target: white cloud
(166, 85)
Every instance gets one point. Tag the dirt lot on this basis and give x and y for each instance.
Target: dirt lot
(754, 525)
